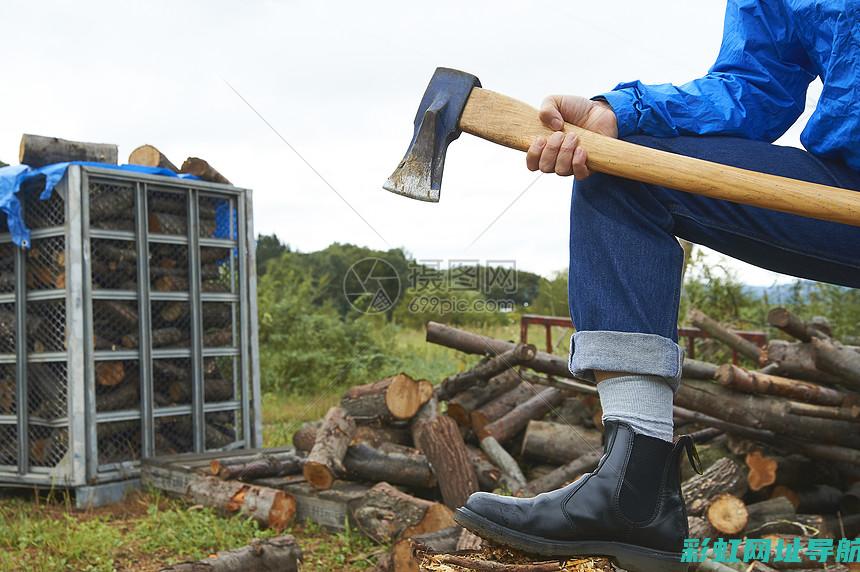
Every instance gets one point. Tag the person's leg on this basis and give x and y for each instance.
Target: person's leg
(625, 278)
(625, 265)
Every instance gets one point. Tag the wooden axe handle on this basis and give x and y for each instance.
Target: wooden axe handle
(506, 121)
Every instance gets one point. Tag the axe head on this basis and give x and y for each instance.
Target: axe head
(419, 174)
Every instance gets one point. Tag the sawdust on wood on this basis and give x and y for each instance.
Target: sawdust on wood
(503, 559)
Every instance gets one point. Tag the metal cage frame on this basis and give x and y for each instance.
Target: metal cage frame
(77, 290)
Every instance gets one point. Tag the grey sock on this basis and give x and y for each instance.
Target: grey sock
(642, 401)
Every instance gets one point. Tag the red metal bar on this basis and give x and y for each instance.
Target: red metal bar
(690, 333)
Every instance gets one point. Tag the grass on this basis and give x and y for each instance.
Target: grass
(148, 531)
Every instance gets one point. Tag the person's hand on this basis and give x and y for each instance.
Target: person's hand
(560, 153)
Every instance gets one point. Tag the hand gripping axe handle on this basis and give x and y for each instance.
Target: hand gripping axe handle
(454, 101)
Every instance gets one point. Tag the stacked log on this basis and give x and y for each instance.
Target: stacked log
(780, 451)
(780, 436)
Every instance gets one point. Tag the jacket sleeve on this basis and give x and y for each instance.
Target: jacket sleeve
(756, 89)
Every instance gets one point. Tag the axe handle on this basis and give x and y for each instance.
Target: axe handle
(506, 121)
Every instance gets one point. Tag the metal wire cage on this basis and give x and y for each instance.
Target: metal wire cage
(127, 329)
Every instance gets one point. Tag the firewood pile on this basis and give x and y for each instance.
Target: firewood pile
(780, 444)
(115, 266)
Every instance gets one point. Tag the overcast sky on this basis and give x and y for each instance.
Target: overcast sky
(340, 81)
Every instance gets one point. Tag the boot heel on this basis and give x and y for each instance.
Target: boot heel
(642, 563)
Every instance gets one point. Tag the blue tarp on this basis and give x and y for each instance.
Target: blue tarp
(14, 176)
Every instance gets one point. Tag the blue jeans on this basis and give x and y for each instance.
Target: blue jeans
(625, 263)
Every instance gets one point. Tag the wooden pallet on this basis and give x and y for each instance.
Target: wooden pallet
(330, 508)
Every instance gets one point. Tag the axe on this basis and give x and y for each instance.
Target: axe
(454, 102)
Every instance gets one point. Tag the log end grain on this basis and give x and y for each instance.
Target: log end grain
(727, 514)
(283, 511)
(762, 470)
(405, 396)
(319, 475)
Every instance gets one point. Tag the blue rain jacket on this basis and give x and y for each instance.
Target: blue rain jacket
(771, 51)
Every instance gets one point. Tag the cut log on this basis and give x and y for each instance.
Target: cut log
(559, 443)
(727, 514)
(160, 337)
(453, 385)
(149, 156)
(832, 357)
(488, 473)
(502, 459)
(203, 170)
(121, 312)
(444, 540)
(394, 398)
(699, 527)
(695, 369)
(847, 413)
(506, 427)
(762, 470)
(850, 501)
(500, 406)
(562, 475)
(389, 462)
(796, 471)
(278, 554)
(761, 513)
(269, 507)
(438, 437)
(724, 476)
(109, 373)
(705, 435)
(386, 514)
(818, 499)
(848, 457)
(753, 382)
(760, 412)
(38, 151)
(471, 343)
(258, 467)
(304, 437)
(798, 361)
(793, 326)
(728, 337)
(376, 436)
(126, 395)
(578, 410)
(460, 406)
(325, 461)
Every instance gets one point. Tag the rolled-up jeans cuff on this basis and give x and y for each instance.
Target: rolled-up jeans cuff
(647, 354)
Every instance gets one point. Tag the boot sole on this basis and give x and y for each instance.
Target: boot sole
(629, 556)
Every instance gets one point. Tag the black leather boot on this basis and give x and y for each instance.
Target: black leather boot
(630, 508)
